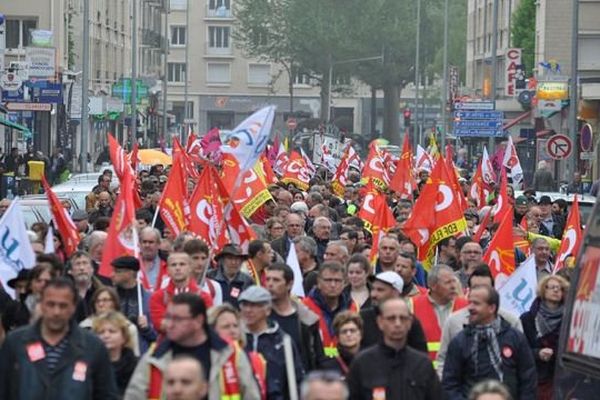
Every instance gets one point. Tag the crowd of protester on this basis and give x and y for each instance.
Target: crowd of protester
(226, 326)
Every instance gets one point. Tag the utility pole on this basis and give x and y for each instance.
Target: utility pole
(85, 78)
(491, 141)
(573, 95)
(165, 70)
(417, 75)
(444, 96)
(134, 29)
(186, 114)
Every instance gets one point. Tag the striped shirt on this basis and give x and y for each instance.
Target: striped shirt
(54, 353)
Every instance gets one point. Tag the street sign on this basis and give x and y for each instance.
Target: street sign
(475, 105)
(28, 107)
(478, 132)
(479, 114)
(587, 155)
(478, 123)
(559, 147)
(586, 137)
(292, 123)
(10, 81)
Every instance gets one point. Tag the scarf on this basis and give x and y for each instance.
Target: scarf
(548, 320)
(487, 334)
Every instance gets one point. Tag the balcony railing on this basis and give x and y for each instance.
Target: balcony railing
(220, 12)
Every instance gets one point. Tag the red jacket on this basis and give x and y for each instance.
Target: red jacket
(160, 300)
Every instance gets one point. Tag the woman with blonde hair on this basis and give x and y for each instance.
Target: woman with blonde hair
(113, 329)
(541, 325)
(225, 320)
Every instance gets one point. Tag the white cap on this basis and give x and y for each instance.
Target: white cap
(299, 206)
(391, 278)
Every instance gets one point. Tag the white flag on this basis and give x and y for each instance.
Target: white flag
(16, 252)
(249, 139)
(518, 290)
(49, 245)
(292, 261)
(511, 161)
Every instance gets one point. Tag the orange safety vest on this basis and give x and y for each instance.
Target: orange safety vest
(329, 343)
(228, 379)
(259, 367)
(424, 311)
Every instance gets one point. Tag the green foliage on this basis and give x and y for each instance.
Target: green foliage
(523, 32)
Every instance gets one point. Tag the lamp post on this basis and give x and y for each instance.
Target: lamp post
(492, 142)
(134, 30)
(573, 95)
(417, 73)
(85, 77)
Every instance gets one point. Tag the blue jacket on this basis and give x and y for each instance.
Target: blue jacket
(270, 345)
(518, 366)
(83, 372)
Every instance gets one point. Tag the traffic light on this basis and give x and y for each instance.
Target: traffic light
(407, 115)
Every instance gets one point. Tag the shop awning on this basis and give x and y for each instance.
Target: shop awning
(10, 124)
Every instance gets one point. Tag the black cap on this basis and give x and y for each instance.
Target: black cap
(126, 262)
(545, 200)
(231, 250)
(23, 275)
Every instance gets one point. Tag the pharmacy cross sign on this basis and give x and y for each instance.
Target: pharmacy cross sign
(559, 147)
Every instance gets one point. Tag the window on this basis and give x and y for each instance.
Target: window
(301, 78)
(259, 74)
(178, 36)
(218, 37)
(218, 73)
(220, 119)
(340, 79)
(178, 4)
(176, 72)
(219, 8)
(18, 32)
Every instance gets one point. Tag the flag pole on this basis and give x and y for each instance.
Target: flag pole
(139, 295)
(155, 216)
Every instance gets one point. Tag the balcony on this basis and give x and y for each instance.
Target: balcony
(152, 39)
(218, 13)
(210, 51)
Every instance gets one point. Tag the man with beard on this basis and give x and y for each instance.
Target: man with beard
(82, 272)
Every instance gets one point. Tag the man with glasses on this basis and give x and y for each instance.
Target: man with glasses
(225, 366)
(391, 369)
(327, 300)
(324, 385)
(541, 252)
(471, 255)
(294, 228)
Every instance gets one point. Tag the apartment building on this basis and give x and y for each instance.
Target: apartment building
(224, 86)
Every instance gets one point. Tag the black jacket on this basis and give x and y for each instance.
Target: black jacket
(231, 288)
(372, 335)
(83, 372)
(545, 369)
(517, 364)
(340, 364)
(282, 245)
(404, 374)
(124, 368)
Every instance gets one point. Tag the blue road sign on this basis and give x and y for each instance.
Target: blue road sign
(479, 114)
(475, 105)
(478, 132)
(477, 123)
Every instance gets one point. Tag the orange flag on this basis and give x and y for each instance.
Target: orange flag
(403, 182)
(62, 221)
(383, 222)
(572, 237)
(173, 206)
(437, 214)
(267, 170)
(375, 170)
(296, 171)
(500, 254)
(207, 205)
(122, 236)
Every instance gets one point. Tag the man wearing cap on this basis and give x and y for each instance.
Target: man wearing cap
(124, 278)
(392, 369)
(388, 285)
(551, 225)
(229, 275)
(266, 338)
(521, 208)
(17, 313)
(294, 224)
(179, 269)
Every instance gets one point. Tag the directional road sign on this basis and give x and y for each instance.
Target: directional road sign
(559, 147)
(478, 132)
(28, 106)
(475, 105)
(477, 123)
(478, 115)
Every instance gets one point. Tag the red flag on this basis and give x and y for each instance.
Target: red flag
(211, 143)
(340, 177)
(500, 254)
(375, 169)
(502, 205)
(193, 146)
(572, 237)
(122, 236)
(267, 170)
(187, 163)
(368, 207)
(118, 157)
(403, 182)
(62, 221)
(522, 243)
(133, 156)
(437, 214)
(296, 172)
(384, 220)
(477, 192)
(173, 206)
(206, 203)
(482, 226)
(238, 230)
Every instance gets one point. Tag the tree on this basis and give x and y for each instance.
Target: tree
(523, 32)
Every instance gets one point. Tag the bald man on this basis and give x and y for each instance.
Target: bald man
(185, 379)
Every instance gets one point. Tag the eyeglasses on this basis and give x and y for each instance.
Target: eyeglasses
(176, 318)
(348, 331)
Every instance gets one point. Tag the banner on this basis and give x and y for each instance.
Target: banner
(518, 292)
(572, 237)
(174, 208)
(62, 221)
(296, 172)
